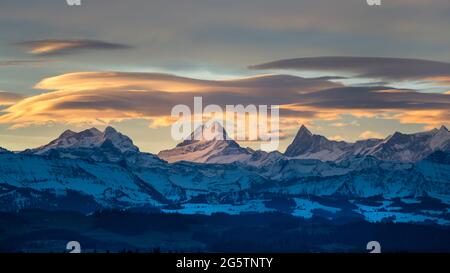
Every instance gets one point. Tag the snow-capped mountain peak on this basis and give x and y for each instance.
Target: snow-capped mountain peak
(67, 134)
(440, 140)
(206, 132)
(396, 147)
(120, 141)
(301, 143)
(412, 147)
(309, 146)
(207, 144)
(89, 138)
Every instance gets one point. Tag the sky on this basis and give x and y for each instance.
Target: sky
(346, 70)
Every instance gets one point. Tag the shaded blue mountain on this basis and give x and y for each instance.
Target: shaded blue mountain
(94, 170)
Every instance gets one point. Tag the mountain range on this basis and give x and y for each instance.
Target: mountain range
(405, 175)
(397, 147)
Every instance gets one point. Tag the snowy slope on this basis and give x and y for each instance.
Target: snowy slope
(72, 175)
(218, 148)
(207, 144)
(412, 147)
(398, 147)
(90, 138)
(107, 185)
(93, 145)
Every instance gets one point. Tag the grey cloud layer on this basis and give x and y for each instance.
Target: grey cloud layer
(239, 32)
(367, 67)
(18, 62)
(60, 47)
(373, 98)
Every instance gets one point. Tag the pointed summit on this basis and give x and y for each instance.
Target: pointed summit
(301, 143)
(443, 128)
(304, 130)
(309, 146)
(206, 132)
(213, 131)
(208, 143)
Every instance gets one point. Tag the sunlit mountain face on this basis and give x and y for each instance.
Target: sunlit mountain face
(345, 111)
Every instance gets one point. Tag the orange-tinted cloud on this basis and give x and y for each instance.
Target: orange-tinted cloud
(8, 98)
(439, 80)
(102, 97)
(370, 134)
(336, 138)
(81, 81)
